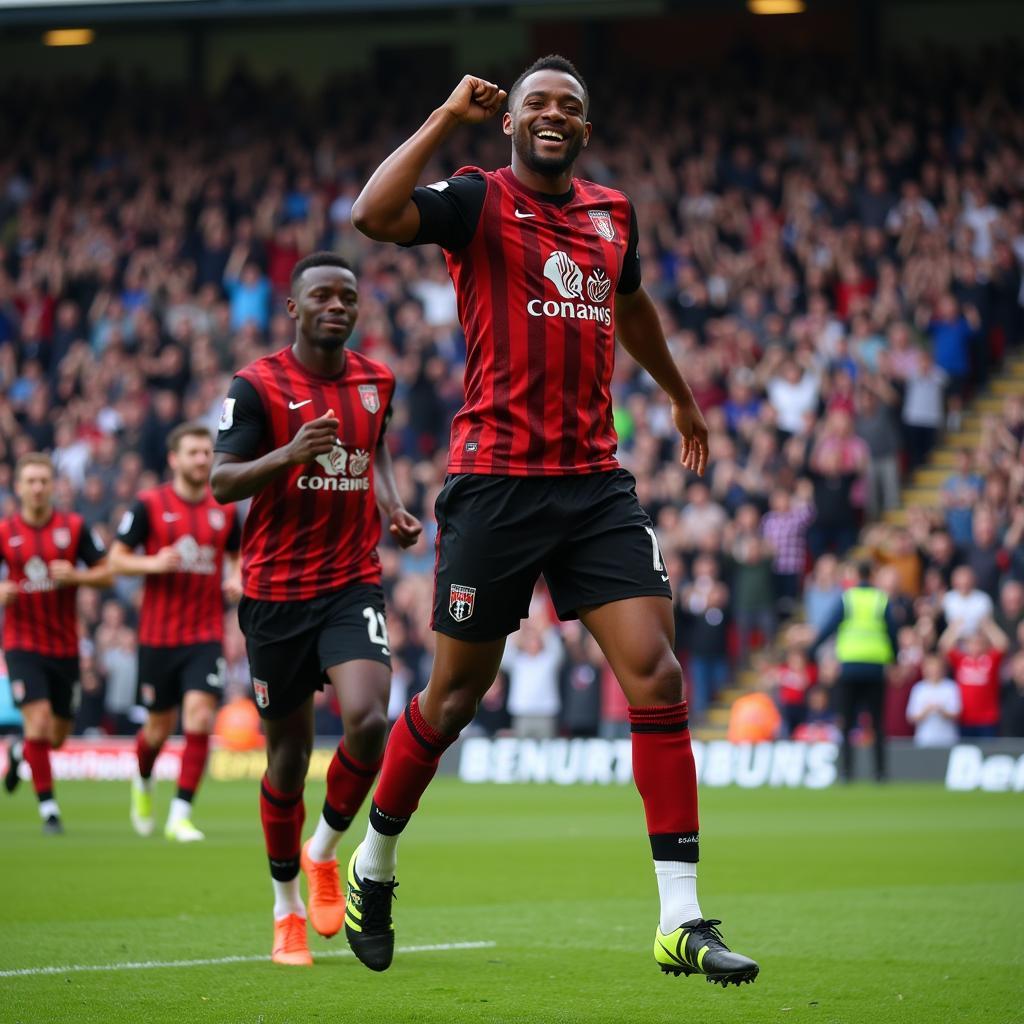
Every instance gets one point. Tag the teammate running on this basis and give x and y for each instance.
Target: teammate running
(186, 537)
(42, 548)
(302, 431)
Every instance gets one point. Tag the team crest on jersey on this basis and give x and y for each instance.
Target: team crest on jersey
(262, 691)
(603, 224)
(462, 602)
(35, 570)
(216, 517)
(357, 462)
(62, 537)
(369, 397)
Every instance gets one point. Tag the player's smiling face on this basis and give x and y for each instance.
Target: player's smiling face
(326, 306)
(548, 122)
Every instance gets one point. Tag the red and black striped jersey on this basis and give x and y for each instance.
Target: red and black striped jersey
(314, 528)
(42, 618)
(535, 277)
(184, 607)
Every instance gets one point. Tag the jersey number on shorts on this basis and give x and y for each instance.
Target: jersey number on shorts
(376, 627)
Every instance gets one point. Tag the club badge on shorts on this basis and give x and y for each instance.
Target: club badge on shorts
(603, 224)
(369, 397)
(262, 692)
(461, 602)
(147, 691)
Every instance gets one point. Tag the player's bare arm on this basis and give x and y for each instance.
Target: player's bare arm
(404, 526)
(233, 478)
(232, 584)
(8, 593)
(125, 562)
(384, 209)
(639, 331)
(66, 574)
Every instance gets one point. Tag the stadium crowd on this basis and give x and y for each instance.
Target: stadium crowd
(837, 275)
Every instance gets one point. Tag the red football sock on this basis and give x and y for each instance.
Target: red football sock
(193, 762)
(146, 754)
(410, 761)
(37, 754)
(666, 777)
(282, 815)
(348, 782)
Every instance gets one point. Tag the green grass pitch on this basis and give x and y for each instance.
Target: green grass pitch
(862, 904)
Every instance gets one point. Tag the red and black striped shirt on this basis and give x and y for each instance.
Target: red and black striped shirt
(314, 528)
(42, 618)
(184, 607)
(535, 277)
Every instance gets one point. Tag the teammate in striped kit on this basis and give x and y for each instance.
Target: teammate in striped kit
(547, 273)
(42, 546)
(302, 432)
(187, 538)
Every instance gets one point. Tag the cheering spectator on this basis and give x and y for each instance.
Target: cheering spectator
(975, 657)
(934, 706)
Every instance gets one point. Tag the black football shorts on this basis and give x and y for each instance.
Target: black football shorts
(41, 677)
(166, 673)
(587, 535)
(291, 644)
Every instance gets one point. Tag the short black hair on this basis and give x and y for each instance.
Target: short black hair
(552, 62)
(864, 570)
(318, 259)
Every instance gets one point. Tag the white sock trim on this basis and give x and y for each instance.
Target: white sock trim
(287, 898)
(677, 889)
(48, 809)
(323, 844)
(378, 856)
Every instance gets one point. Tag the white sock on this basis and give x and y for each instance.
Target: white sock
(17, 752)
(180, 810)
(287, 898)
(378, 856)
(324, 842)
(48, 809)
(146, 785)
(677, 888)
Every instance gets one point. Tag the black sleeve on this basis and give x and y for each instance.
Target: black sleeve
(91, 548)
(134, 526)
(449, 210)
(388, 413)
(243, 422)
(233, 544)
(629, 279)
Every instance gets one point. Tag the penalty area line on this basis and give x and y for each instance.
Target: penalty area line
(148, 965)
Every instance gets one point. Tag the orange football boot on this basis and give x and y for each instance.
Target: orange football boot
(290, 943)
(326, 903)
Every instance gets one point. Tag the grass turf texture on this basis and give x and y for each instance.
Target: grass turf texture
(893, 904)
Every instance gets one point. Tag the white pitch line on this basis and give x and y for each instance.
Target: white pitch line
(146, 965)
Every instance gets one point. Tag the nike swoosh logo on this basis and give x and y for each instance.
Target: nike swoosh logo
(523, 216)
(664, 579)
(171, 517)
(15, 542)
(299, 405)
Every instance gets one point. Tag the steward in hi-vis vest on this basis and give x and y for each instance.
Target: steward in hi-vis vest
(865, 644)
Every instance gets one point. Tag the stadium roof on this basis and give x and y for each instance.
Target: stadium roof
(39, 12)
